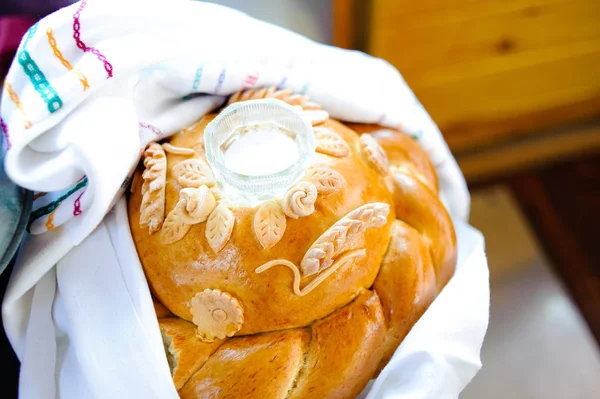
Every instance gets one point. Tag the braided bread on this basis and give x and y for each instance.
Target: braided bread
(304, 296)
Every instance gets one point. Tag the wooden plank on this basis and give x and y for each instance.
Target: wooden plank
(501, 160)
(341, 23)
(491, 70)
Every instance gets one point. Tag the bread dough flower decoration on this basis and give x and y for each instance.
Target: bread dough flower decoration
(217, 314)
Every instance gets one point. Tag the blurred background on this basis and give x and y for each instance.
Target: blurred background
(515, 87)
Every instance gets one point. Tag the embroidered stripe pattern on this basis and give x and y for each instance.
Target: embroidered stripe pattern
(37, 77)
(197, 78)
(58, 54)
(15, 99)
(44, 210)
(77, 36)
(5, 133)
(152, 128)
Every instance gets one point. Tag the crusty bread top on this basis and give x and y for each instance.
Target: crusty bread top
(188, 273)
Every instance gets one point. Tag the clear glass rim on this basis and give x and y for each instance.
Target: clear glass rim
(257, 182)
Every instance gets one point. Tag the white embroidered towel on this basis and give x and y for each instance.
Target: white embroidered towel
(90, 86)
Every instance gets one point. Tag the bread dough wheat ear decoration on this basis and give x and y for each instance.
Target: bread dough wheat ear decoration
(152, 209)
(334, 248)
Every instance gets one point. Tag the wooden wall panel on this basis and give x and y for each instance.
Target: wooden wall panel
(491, 70)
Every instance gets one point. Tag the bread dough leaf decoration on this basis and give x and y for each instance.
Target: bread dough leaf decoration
(285, 95)
(269, 224)
(340, 261)
(174, 228)
(375, 155)
(330, 143)
(300, 200)
(219, 227)
(193, 173)
(217, 314)
(326, 180)
(152, 209)
(171, 149)
(343, 236)
(194, 206)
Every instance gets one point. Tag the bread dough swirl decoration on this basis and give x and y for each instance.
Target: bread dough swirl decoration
(217, 314)
(152, 209)
(300, 200)
(335, 247)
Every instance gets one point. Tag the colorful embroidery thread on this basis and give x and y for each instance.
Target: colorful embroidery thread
(152, 128)
(77, 205)
(251, 80)
(220, 81)
(15, 99)
(50, 221)
(44, 210)
(77, 36)
(37, 77)
(197, 78)
(5, 133)
(58, 54)
(38, 195)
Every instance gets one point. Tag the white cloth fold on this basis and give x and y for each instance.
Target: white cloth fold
(91, 85)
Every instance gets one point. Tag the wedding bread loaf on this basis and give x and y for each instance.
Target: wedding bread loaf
(302, 296)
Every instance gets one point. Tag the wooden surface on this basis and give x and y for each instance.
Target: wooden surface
(492, 70)
(342, 20)
(541, 148)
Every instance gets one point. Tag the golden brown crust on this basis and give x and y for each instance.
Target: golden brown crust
(420, 207)
(345, 351)
(176, 272)
(405, 284)
(160, 309)
(186, 352)
(261, 366)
